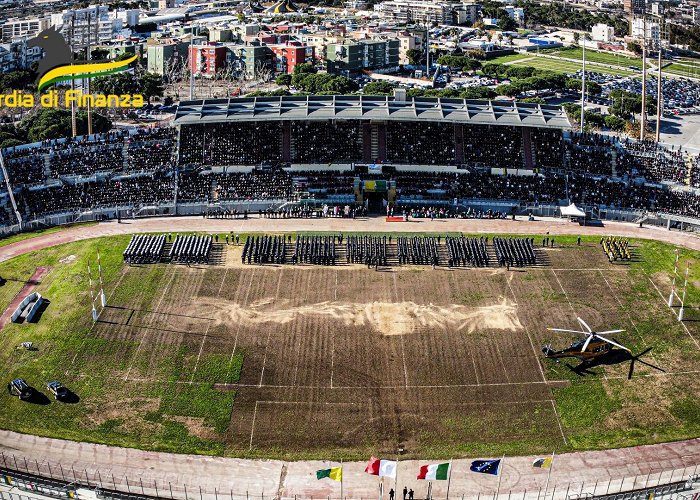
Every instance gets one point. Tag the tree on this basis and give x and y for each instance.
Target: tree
(284, 80)
(378, 88)
(634, 47)
(304, 68)
(506, 23)
(480, 92)
(98, 54)
(415, 56)
(615, 123)
(53, 123)
(577, 37)
(151, 86)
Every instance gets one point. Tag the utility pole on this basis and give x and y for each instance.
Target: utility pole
(659, 97)
(191, 62)
(427, 49)
(73, 120)
(583, 84)
(643, 121)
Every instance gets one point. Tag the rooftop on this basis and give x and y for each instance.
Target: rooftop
(468, 112)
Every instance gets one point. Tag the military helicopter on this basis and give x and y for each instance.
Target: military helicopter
(595, 349)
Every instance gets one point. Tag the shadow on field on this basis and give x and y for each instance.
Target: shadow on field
(38, 398)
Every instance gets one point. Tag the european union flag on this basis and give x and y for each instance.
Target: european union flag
(486, 466)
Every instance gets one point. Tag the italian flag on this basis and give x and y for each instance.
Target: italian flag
(434, 472)
(334, 473)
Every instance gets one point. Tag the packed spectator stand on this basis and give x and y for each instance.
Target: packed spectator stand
(141, 168)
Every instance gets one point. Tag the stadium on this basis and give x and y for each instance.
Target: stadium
(285, 283)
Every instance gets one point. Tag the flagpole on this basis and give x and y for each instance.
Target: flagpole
(546, 485)
(396, 478)
(449, 478)
(500, 474)
(341, 479)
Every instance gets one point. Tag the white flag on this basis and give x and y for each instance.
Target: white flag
(387, 468)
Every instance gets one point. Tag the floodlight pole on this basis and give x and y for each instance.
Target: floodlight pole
(583, 83)
(643, 120)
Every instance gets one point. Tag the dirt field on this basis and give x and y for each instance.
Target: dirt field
(432, 361)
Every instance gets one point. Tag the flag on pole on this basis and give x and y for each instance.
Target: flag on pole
(382, 468)
(486, 466)
(543, 463)
(434, 472)
(334, 473)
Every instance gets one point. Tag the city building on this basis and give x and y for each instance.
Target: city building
(90, 25)
(288, 56)
(652, 30)
(17, 29)
(601, 32)
(128, 17)
(163, 56)
(634, 7)
(405, 11)
(207, 59)
(250, 60)
(350, 58)
(409, 41)
(17, 55)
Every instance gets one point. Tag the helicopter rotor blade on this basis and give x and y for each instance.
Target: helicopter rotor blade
(585, 325)
(588, 341)
(614, 343)
(629, 375)
(608, 332)
(642, 353)
(649, 364)
(564, 330)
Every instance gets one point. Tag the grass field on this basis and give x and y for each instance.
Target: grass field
(687, 69)
(507, 59)
(561, 66)
(305, 362)
(598, 57)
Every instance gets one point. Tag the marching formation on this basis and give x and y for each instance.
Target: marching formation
(467, 251)
(370, 250)
(144, 249)
(418, 250)
(615, 248)
(265, 250)
(315, 250)
(515, 251)
(191, 249)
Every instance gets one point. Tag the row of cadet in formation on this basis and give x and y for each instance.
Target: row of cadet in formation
(150, 249)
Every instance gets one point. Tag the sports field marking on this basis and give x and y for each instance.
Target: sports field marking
(296, 358)
(335, 297)
(269, 333)
(143, 337)
(394, 387)
(527, 331)
(206, 331)
(612, 291)
(92, 327)
(672, 312)
(403, 352)
(238, 327)
(471, 354)
(255, 411)
(561, 429)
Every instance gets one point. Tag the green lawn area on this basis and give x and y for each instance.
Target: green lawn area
(599, 57)
(569, 67)
(683, 69)
(507, 59)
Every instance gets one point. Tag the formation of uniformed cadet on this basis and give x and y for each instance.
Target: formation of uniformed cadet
(514, 251)
(222, 213)
(417, 250)
(615, 248)
(467, 251)
(369, 250)
(315, 250)
(191, 249)
(144, 249)
(265, 250)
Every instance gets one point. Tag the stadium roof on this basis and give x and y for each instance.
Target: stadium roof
(468, 112)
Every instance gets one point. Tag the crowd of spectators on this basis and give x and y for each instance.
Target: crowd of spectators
(137, 168)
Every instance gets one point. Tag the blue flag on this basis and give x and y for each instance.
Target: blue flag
(486, 466)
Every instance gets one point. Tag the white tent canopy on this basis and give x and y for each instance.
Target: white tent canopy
(572, 211)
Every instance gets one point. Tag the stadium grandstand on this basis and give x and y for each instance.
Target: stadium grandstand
(463, 157)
